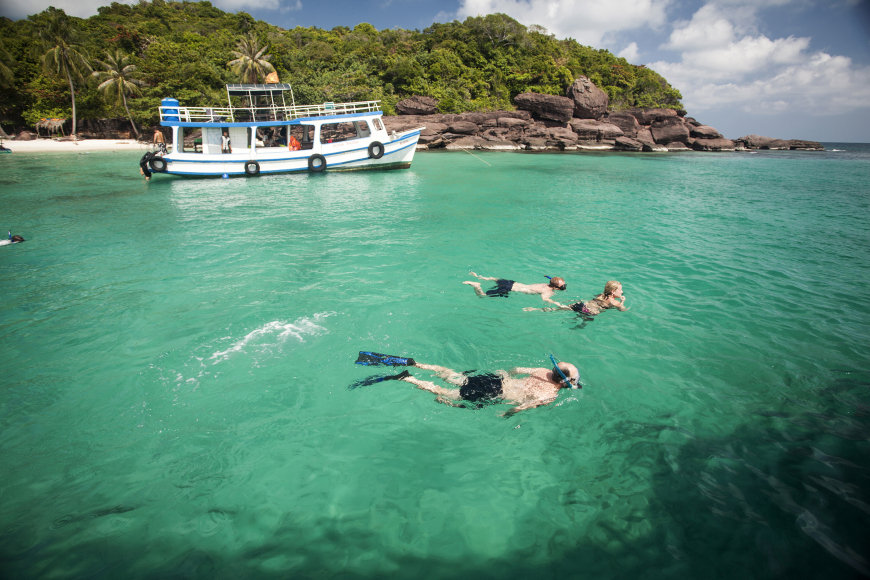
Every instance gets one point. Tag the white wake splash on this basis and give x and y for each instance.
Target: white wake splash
(274, 334)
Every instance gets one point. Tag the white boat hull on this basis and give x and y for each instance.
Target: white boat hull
(343, 156)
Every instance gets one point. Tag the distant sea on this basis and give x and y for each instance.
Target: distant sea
(175, 359)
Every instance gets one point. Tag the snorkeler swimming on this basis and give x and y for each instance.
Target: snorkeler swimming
(612, 297)
(504, 287)
(540, 387)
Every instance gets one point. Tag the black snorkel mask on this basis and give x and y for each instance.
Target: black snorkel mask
(565, 379)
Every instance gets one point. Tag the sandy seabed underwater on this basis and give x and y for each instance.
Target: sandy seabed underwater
(175, 359)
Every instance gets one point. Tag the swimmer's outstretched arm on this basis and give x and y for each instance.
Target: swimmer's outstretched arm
(482, 277)
(530, 405)
(545, 296)
(547, 309)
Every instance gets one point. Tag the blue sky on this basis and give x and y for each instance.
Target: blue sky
(793, 69)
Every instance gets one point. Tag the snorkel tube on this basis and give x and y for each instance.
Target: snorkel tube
(564, 378)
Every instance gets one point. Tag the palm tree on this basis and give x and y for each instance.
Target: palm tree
(117, 79)
(65, 57)
(250, 63)
(6, 62)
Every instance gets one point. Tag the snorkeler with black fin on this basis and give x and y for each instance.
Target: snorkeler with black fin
(504, 287)
(540, 387)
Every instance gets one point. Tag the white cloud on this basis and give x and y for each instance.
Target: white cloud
(236, 5)
(17, 9)
(586, 21)
(724, 62)
(630, 53)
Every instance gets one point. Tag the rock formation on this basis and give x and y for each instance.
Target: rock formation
(590, 102)
(417, 105)
(546, 106)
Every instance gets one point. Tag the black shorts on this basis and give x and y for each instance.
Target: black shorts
(502, 288)
(481, 388)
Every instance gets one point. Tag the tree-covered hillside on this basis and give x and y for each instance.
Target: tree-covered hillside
(183, 50)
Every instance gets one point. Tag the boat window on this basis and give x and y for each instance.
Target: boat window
(271, 137)
(191, 141)
(377, 124)
(362, 129)
(335, 132)
(304, 134)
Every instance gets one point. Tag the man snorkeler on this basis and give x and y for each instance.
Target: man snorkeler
(504, 287)
(540, 387)
(612, 297)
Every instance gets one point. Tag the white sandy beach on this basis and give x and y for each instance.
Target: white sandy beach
(48, 145)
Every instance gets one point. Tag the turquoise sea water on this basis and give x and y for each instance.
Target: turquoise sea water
(175, 356)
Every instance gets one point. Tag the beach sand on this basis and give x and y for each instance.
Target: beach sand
(48, 145)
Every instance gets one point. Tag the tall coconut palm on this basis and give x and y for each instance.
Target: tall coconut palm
(65, 57)
(251, 64)
(117, 77)
(6, 62)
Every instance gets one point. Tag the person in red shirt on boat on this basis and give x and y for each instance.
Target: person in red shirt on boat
(294, 144)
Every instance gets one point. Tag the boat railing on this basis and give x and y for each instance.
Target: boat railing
(260, 114)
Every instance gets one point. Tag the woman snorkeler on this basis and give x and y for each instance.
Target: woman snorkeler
(612, 297)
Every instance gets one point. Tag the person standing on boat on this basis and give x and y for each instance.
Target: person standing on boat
(504, 287)
(226, 146)
(159, 142)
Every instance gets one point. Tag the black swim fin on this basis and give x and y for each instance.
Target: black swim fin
(377, 379)
(376, 359)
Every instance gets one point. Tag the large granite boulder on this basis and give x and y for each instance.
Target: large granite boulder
(677, 146)
(609, 131)
(668, 130)
(561, 136)
(590, 102)
(586, 129)
(625, 121)
(25, 136)
(805, 145)
(626, 144)
(536, 131)
(644, 136)
(653, 148)
(691, 121)
(417, 105)
(647, 116)
(713, 145)
(509, 122)
(433, 129)
(546, 106)
(463, 127)
(704, 132)
(759, 142)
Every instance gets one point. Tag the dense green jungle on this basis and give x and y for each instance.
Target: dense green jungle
(150, 50)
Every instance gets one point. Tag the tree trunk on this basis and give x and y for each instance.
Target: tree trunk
(129, 116)
(72, 91)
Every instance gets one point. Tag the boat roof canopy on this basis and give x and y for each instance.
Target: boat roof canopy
(257, 90)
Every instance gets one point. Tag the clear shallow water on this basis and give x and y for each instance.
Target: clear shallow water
(175, 358)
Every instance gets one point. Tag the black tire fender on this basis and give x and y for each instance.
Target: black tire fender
(158, 164)
(376, 149)
(252, 167)
(316, 163)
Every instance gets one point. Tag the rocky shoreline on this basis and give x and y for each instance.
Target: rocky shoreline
(579, 121)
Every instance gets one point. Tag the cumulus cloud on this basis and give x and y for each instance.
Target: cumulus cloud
(630, 53)
(587, 21)
(725, 62)
(17, 9)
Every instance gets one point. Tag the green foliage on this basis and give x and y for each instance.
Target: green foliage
(183, 49)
